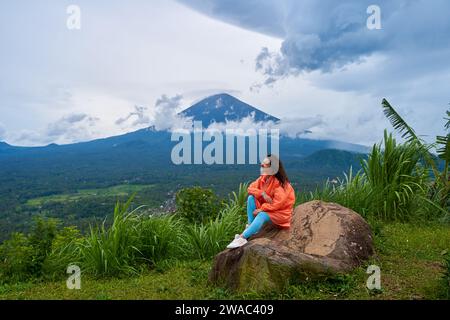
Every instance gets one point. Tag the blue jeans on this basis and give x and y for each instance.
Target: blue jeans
(255, 223)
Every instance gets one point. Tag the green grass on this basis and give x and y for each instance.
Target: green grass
(411, 258)
(123, 190)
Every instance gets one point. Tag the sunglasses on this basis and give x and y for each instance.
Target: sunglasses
(265, 165)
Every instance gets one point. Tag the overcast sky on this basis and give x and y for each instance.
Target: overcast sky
(296, 59)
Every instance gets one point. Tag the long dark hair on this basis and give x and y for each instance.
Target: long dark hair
(281, 173)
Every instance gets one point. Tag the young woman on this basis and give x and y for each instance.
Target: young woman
(270, 199)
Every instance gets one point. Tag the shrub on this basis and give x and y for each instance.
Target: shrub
(65, 251)
(197, 205)
(40, 239)
(16, 256)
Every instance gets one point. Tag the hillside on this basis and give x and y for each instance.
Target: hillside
(29, 176)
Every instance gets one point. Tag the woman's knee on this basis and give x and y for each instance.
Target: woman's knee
(261, 218)
(250, 199)
(264, 216)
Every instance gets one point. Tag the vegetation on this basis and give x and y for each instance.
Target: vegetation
(441, 183)
(446, 278)
(399, 189)
(81, 187)
(116, 191)
(391, 186)
(198, 205)
(409, 255)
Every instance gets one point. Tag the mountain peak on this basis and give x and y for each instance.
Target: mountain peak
(4, 144)
(224, 107)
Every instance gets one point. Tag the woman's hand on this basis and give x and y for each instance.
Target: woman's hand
(256, 211)
(267, 197)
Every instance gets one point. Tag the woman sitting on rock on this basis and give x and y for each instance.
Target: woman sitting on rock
(271, 199)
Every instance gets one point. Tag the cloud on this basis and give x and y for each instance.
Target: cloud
(70, 128)
(328, 35)
(2, 132)
(327, 46)
(290, 127)
(261, 16)
(166, 115)
(139, 116)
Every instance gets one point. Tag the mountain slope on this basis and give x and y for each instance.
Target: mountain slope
(224, 107)
(328, 162)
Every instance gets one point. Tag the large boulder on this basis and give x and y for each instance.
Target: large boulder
(324, 239)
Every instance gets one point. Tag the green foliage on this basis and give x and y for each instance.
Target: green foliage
(396, 179)
(398, 123)
(441, 185)
(16, 256)
(112, 250)
(239, 198)
(446, 277)
(36, 255)
(204, 241)
(160, 238)
(351, 192)
(40, 239)
(391, 186)
(65, 251)
(197, 205)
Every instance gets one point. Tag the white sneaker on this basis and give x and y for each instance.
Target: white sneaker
(237, 242)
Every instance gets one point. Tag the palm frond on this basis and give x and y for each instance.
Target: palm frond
(444, 151)
(398, 123)
(447, 125)
(410, 135)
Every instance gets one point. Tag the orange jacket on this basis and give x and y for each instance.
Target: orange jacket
(283, 199)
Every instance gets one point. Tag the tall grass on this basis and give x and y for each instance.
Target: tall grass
(238, 198)
(391, 186)
(134, 241)
(112, 250)
(160, 238)
(351, 191)
(203, 241)
(65, 251)
(396, 178)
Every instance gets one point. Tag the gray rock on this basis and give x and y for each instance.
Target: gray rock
(324, 239)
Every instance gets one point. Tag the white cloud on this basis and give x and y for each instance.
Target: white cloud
(72, 127)
(2, 132)
(138, 116)
(291, 127)
(109, 66)
(318, 64)
(166, 114)
(327, 46)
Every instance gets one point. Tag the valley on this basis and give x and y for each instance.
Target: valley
(80, 183)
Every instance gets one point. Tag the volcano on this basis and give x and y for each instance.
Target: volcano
(222, 108)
